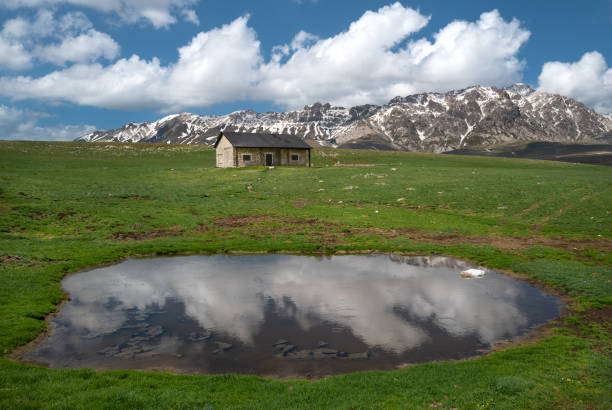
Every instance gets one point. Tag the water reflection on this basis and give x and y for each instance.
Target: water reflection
(390, 304)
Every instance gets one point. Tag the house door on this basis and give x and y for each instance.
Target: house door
(268, 160)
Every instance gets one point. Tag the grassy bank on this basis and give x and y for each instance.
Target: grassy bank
(66, 206)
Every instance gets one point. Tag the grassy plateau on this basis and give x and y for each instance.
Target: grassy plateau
(67, 206)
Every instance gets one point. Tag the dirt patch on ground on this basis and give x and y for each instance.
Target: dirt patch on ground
(144, 198)
(337, 164)
(527, 210)
(147, 235)
(10, 259)
(258, 226)
(334, 234)
(500, 242)
(601, 318)
(267, 223)
(415, 207)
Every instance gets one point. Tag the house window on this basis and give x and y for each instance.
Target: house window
(246, 157)
(295, 157)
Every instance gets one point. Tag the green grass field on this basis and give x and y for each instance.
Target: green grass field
(67, 206)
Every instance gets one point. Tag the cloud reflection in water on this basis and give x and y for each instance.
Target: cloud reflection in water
(381, 299)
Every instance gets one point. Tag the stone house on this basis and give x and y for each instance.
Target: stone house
(242, 149)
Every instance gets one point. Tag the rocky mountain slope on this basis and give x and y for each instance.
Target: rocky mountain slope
(434, 122)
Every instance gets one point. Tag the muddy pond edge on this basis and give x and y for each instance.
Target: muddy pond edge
(535, 335)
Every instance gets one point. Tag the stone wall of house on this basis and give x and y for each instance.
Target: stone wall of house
(247, 157)
(288, 157)
(229, 156)
(225, 154)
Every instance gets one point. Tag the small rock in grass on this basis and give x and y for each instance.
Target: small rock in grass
(288, 349)
(301, 354)
(199, 336)
(224, 346)
(154, 331)
(363, 355)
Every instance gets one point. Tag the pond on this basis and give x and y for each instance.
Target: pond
(285, 315)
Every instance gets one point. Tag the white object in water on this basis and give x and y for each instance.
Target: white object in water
(472, 273)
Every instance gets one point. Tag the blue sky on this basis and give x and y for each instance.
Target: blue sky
(70, 66)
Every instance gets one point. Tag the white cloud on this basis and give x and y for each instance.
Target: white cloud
(19, 28)
(374, 60)
(76, 40)
(13, 56)
(355, 66)
(468, 53)
(191, 16)
(364, 64)
(16, 37)
(80, 49)
(127, 84)
(218, 65)
(588, 80)
(74, 22)
(160, 13)
(302, 39)
(17, 124)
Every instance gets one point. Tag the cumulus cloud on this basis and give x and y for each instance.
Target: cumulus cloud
(468, 53)
(374, 60)
(588, 80)
(365, 65)
(218, 65)
(160, 13)
(13, 56)
(72, 39)
(42, 25)
(354, 66)
(18, 124)
(85, 47)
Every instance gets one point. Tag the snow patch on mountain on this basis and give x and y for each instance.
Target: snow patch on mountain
(434, 122)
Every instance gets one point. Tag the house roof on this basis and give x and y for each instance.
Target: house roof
(252, 140)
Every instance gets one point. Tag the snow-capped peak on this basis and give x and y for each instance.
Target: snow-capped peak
(520, 88)
(421, 122)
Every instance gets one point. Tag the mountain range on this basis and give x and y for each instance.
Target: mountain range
(431, 122)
